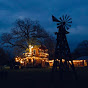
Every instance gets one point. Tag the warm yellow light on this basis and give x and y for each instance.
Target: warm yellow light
(31, 60)
(39, 56)
(30, 48)
(70, 62)
(21, 61)
(51, 61)
(16, 58)
(27, 59)
(77, 60)
(63, 60)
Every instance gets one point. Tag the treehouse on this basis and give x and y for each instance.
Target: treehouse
(34, 56)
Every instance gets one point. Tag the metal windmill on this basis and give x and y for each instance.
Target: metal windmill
(62, 50)
(64, 21)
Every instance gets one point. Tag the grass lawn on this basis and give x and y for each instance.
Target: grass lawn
(43, 78)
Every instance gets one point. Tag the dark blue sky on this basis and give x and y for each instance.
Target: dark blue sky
(42, 10)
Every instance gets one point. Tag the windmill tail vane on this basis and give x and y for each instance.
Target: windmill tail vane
(55, 19)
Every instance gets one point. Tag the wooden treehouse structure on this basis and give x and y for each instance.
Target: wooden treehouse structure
(34, 56)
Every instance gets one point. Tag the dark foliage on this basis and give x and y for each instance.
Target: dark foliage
(26, 32)
(81, 50)
(3, 57)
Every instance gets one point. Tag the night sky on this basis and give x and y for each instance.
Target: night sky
(42, 10)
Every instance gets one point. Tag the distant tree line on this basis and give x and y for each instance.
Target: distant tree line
(3, 57)
(81, 50)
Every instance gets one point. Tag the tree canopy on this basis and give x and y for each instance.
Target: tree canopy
(24, 33)
(81, 50)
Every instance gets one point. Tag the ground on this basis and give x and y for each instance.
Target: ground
(43, 78)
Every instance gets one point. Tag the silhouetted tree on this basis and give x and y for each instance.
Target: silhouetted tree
(3, 57)
(50, 43)
(24, 33)
(81, 50)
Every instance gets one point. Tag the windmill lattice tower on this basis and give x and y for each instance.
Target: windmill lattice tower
(62, 50)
